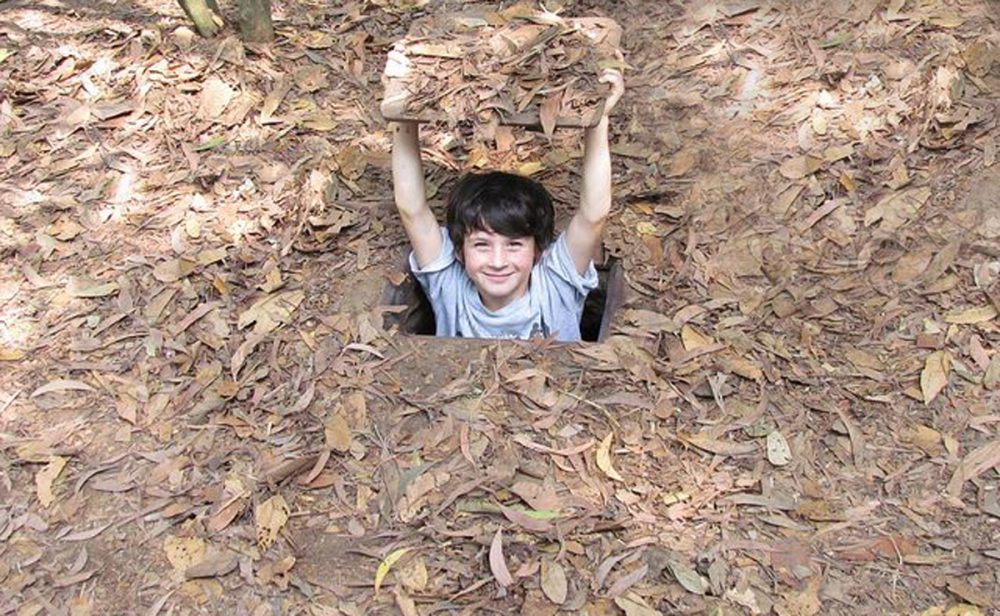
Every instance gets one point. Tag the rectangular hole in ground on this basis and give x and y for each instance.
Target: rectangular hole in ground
(417, 318)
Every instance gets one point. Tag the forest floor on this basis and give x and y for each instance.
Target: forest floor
(201, 410)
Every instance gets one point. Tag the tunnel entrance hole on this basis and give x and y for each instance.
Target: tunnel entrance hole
(416, 318)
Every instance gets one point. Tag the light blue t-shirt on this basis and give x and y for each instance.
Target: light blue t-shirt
(552, 306)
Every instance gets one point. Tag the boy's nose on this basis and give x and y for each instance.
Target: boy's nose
(498, 257)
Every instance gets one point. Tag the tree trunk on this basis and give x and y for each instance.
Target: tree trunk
(205, 15)
(255, 21)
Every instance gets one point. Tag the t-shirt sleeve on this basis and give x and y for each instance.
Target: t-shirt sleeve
(559, 264)
(438, 277)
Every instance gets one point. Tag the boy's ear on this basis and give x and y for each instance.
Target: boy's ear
(539, 251)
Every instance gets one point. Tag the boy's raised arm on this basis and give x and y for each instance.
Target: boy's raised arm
(583, 236)
(421, 226)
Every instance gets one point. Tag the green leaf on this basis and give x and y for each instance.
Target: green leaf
(836, 41)
(212, 143)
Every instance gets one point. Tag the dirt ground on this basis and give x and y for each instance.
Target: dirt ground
(796, 413)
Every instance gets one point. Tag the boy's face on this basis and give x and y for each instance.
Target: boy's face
(499, 266)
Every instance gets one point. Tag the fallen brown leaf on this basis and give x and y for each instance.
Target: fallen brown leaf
(497, 563)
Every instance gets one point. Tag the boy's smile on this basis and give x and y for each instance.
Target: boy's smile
(499, 266)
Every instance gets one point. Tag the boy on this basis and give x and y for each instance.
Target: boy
(495, 271)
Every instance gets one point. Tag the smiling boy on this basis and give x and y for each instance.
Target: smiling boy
(495, 270)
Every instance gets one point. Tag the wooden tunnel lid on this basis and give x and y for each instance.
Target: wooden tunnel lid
(520, 66)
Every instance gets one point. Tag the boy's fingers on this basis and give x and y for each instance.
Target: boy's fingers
(611, 75)
(397, 65)
(614, 78)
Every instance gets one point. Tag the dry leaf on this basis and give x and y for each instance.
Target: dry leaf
(688, 578)
(926, 439)
(911, 266)
(271, 312)
(837, 152)
(215, 96)
(46, 477)
(897, 208)
(692, 339)
(946, 19)
(801, 603)
(778, 451)
(276, 572)
(973, 465)
(274, 98)
(725, 448)
(534, 521)
(862, 359)
(604, 458)
(991, 377)
(272, 280)
(183, 552)
(61, 385)
(934, 376)
(743, 367)
(413, 575)
(967, 592)
(634, 605)
(65, 229)
(338, 433)
(963, 609)
(498, 566)
(981, 314)
(682, 162)
(317, 40)
(322, 121)
(386, 565)
(530, 168)
(270, 517)
(84, 287)
(230, 504)
(192, 226)
(650, 321)
(174, 269)
(406, 605)
(554, 583)
(213, 565)
(800, 166)
(311, 77)
(538, 496)
(8, 353)
(210, 256)
(819, 122)
(549, 112)
(646, 228)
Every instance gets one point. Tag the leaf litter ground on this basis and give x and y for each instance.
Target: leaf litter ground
(796, 412)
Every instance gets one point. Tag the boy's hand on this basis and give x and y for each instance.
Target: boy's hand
(397, 68)
(613, 77)
(397, 65)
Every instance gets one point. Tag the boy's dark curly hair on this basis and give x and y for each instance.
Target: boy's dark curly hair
(504, 203)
